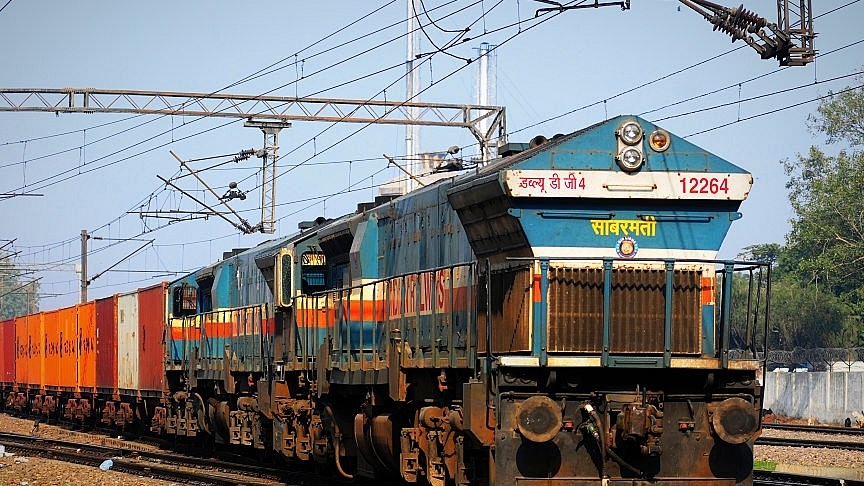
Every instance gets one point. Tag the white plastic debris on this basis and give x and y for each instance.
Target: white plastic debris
(106, 465)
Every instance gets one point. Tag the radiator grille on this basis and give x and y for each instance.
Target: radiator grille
(511, 311)
(638, 311)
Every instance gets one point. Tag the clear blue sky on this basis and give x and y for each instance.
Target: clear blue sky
(576, 59)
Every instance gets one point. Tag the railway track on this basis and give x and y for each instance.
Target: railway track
(821, 443)
(168, 466)
(196, 466)
(822, 429)
(767, 478)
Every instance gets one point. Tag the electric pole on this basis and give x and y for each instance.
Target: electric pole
(270, 155)
(84, 283)
(412, 93)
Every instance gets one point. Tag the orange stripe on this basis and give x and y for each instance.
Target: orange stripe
(537, 294)
(707, 291)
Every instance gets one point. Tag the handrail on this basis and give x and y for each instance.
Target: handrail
(340, 302)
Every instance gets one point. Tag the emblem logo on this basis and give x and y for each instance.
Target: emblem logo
(626, 247)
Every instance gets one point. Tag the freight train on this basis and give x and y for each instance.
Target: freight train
(557, 316)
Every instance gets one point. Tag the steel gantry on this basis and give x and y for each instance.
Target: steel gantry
(486, 123)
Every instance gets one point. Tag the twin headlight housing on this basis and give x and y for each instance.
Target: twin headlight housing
(629, 135)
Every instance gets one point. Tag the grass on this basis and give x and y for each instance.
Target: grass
(764, 465)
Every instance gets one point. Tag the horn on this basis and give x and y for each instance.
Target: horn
(537, 141)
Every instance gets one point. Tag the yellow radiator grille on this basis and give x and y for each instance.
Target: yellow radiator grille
(638, 311)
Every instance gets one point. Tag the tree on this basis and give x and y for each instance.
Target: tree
(826, 245)
(18, 296)
(766, 253)
(840, 117)
(802, 316)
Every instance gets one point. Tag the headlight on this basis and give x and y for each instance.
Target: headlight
(630, 132)
(629, 159)
(539, 419)
(735, 421)
(659, 140)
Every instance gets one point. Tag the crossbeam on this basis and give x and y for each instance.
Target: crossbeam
(281, 108)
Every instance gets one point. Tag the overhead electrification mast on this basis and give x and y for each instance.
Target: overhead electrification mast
(269, 113)
(790, 40)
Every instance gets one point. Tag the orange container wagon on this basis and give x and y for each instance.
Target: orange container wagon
(151, 349)
(106, 345)
(86, 337)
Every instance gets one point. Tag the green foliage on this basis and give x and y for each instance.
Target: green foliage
(747, 314)
(824, 252)
(18, 297)
(802, 316)
(841, 117)
(766, 253)
(827, 238)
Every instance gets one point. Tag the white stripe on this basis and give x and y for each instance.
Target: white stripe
(608, 184)
(659, 253)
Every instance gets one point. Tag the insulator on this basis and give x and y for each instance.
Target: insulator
(745, 19)
(732, 31)
(754, 20)
(244, 154)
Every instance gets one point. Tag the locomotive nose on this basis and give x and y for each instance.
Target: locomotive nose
(539, 419)
(735, 421)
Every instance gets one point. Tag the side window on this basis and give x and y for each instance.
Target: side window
(313, 268)
(285, 279)
(185, 300)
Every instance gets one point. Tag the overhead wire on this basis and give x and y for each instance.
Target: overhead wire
(255, 75)
(607, 98)
(759, 97)
(777, 110)
(541, 20)
(441, 80)
(347, 59)
(675, 73)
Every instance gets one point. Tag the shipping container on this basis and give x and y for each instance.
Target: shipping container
(151, 339)
(68, 348)
(86, 338)
(127, 341)
(7, 353)
(50, 343)
(35, 356)
(22, 372)
(106, 345)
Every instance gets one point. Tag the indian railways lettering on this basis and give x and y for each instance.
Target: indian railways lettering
(418, 299)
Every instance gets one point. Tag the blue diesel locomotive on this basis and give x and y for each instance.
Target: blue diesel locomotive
(557, 316)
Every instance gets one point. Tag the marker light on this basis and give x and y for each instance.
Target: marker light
(659, 140)
(630, 132)
(629, 159)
